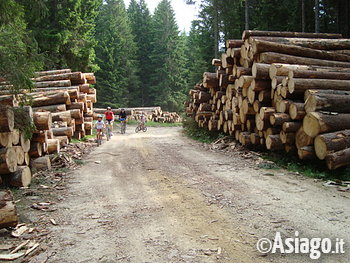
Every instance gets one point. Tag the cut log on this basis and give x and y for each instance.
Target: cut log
(26, 159)
(76, 113)
(306, 153)
(261, 71)
(52, 99)
(88, 126)
(7, 120)
(25, 143)
(40, 136)
(73, 76)
(324, 91)
(272, 57)
(63, 131)
(20, 154)
(315, 123)
(302, 139)
(314, 74)
(291, 126)
(53, 72)
(43, 120)
(331, 142)
(8, 100)
(6, 139)
(338, 159)
(51, 108)
(328, 102)
(36, 149)
(53, 146)
(21, 178)
(260, 46)
(287, 137)
(8, 215)
(279, 118)
(301, 85)
(64, 116)
(274, 143)
(256, 33)
(15, 137)
(55, 83)
(41, 163)
(23, 116)
(8, 160)
(296, 111)
(64, 140)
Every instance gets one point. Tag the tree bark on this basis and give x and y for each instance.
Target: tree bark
(52, 99)
(338, 159)
(64, 131)
(41, 163)
(274, 143)
(40, 136)
(302, 139)
(53, 72)
(8, 160)
(291, 126)
(56, 83)
(272, 57)
(306, 153)
(51, 108)
(43, 120)
(279, 118)
(328, 102)
(331, 142)
(36, 149)
(257, 33)
(21, 178)
(315, 123)
(53, 146)
(7, 120)
(62, 116)
(8, 215)
(301, 85)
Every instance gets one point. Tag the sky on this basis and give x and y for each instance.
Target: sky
(184, 13)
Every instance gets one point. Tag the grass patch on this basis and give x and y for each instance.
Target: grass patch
(314, 169)
(78, 161)
(199, 134)
(165, 124)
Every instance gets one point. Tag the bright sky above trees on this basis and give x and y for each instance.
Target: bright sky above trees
(184, 13)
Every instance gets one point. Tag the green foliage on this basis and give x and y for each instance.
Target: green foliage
(116, 51)
(199, 134)
(18, 52)
(313, 169)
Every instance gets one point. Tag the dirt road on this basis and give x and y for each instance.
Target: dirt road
(159, 197)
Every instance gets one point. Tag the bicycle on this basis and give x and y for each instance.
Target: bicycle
(108, 130)
(141, 127)
(123, 127)
(99, 137)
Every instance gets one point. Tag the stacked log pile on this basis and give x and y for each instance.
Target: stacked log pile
(152, 114)
(61, 108)
(282, 90)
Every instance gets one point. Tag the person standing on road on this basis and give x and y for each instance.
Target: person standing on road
(109, 115)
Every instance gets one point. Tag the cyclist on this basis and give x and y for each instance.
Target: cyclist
(142, 120)
(122, 118)
(99, 126)
(109, 115)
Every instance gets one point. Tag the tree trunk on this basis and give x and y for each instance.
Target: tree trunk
(52, 99)
(36, 149)
(62, 116)
(272, 57)
(317, 16)
(302, 139)
(315, 123)
(51, 108)
(257, 33)
(21, 178)
(338, 159)
(8, 215)
(306, 153)
(56, 83)
(41, 163)
(328, 102)
(8, 160)
(53, 72)
(20, 154)
(7, 120)
(331, 142)
(25, 143)
(301, 85)
(53, 146)
(40, 136)
(274, 143)
(260, 46)
(43, 120)
(63, 131)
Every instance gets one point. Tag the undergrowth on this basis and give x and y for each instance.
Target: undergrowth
(192, 130)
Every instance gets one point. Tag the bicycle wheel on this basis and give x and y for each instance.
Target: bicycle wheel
(137, 129)
(108, 134)
(123, 129)
(144, 129)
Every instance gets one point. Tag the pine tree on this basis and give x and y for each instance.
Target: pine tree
(168, 59)
(115, 53)
(18, 52)
(141, 22)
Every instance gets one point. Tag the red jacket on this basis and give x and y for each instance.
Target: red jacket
(109, 115)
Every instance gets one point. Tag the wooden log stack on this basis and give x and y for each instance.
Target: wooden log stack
(155, 114)
(284, 90)
(61, 108)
